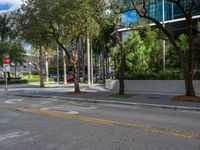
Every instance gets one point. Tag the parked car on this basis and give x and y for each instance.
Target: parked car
(70, 78)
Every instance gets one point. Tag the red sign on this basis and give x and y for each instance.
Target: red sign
(6, 61)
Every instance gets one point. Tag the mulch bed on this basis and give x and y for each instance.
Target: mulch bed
(186, 98)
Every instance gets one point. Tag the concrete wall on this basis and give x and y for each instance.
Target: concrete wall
(153, 86)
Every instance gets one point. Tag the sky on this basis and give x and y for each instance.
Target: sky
(129, 17)
(6, 5)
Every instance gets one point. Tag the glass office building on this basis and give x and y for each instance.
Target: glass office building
(155, 10)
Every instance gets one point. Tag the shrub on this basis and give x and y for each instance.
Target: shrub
(168, 75)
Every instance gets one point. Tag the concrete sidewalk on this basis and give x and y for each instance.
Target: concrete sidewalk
(101, 95)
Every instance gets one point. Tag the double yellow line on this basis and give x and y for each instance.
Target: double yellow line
(151, 129)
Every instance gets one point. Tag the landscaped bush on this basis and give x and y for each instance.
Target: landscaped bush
(197, 75)
(168, 75)
(30, 79)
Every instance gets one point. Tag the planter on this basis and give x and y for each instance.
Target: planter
(153, 86)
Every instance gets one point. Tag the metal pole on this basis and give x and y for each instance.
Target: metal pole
(57, 65)
(89, 59)
(92, 68)
(6, 83)
(164, 43)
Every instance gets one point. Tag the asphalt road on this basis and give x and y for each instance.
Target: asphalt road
(51, 124)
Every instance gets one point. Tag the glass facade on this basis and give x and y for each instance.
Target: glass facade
(170, 9)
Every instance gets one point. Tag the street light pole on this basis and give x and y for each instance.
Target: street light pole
(6, 82)
(164, 42)
(92, 68)
(89, 58)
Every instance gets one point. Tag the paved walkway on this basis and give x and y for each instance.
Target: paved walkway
(100, 94)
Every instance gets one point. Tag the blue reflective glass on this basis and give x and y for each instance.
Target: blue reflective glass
(129, 18)
(154, 8)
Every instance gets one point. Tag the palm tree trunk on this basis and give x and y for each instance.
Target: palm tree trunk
(15, 70)
(89, 59)
(47, 68)
(107, 65)
(96, 72)
(103, 66)
(41, 67)
(65, 67)
(83, 65)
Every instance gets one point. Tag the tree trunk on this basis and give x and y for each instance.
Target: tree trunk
(41, 67)
(91, 64)
(78, 60)
(188, 77)
(83, 60)
(107, 65)
(115, 67)
(15, 70)
(75, 65)
(189, 69)
(122, 65)
(121, 75)
(83, 65)
(65, 67)
(103, 65)
(96, 72)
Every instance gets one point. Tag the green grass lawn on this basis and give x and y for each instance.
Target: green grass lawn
(30, 79)
(116, 95)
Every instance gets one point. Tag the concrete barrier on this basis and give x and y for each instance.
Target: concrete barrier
(153, 86)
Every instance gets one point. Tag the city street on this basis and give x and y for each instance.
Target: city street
(53, 124)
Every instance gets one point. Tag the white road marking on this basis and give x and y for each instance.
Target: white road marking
(69, 109)
(12, 135)
(55, 109)
(13, 101)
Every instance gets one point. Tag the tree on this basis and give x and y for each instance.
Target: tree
(5, 29)
(44, 21)
(186, 61)
(109, 13)
(101, 45)
(30, 26)
(197, 46)
(138, 54)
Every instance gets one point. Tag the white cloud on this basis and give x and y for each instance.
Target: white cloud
(13, 3)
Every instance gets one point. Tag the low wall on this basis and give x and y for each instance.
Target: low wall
(153, 86)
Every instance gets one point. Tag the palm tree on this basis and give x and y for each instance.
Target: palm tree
(5, 29)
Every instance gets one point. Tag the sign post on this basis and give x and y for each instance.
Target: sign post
(6, 68)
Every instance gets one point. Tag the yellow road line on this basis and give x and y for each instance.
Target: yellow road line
(151, 129)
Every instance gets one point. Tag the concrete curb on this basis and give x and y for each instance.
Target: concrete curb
(171, 107)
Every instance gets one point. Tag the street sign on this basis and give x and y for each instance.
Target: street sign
(6, 55)
(6, 61)
(6, 68)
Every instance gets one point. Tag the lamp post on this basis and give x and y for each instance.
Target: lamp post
(89, 58)
(164, 42)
